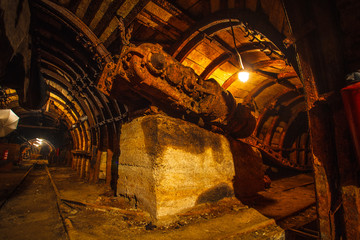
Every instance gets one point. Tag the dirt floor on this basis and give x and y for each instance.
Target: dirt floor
(31, 213)
(92, 212)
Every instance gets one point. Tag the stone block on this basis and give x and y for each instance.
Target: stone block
(168, 165)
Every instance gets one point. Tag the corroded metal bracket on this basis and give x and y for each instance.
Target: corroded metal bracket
(176, 89)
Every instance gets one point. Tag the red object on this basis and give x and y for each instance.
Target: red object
(6, 153)
(351, 100)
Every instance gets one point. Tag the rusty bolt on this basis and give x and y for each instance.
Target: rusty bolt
(158, 61)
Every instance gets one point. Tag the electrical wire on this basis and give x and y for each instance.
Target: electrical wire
(233, 34)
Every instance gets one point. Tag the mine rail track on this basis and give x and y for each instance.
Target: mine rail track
(304, 233)
(304, 224)
(13, 190)
(66, 224)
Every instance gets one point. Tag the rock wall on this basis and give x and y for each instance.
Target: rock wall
(14, 38)
(19, 66)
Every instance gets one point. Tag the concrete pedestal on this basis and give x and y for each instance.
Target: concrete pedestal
(168, 165)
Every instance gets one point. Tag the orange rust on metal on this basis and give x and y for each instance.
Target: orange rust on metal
(229, 81)
(254, 92)
(287, 75)
(278, 62)
(105, 81)
(176, 89)
(274, 154)
(105, 208)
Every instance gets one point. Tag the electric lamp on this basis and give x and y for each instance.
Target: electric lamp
(243, 76)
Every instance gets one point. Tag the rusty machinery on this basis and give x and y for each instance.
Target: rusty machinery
(175, 89)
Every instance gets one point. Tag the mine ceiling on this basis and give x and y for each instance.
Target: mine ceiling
(75, 39)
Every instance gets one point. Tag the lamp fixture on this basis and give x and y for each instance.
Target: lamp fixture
(243, 75)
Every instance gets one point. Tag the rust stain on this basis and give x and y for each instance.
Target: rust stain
(176, 90)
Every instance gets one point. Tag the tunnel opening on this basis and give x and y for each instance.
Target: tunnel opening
(39, 149)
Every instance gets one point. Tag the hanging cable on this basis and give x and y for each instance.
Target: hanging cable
(242, 75)
(233, 35)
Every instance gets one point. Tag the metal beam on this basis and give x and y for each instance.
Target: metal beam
(214, 64)
(78, 26)
(269, 63)
(38, 127)
(218, 21)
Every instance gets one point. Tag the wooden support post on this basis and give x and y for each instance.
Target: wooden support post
(91, 174)
(82, 170)
(87, 169)
(78, 165)
(110, 155)
(320, 58)
(351, 206)
(73, 162)
(325, 167)
(97, 167)
(76, 162)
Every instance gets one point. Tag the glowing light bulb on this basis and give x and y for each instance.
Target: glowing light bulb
(243, 76)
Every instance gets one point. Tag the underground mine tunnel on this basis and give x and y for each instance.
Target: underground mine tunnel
(196, 119)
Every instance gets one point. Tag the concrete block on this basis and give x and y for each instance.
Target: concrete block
(168, 165)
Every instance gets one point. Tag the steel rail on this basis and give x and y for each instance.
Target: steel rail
(17, 186)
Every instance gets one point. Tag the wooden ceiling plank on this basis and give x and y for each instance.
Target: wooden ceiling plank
(128, 18)
(100, 13)
(80, 11)
(277, 15)
(108, 17)
(174, 10)
(168, 16)
(215, 5)
(198, 34)
(268, 63)
(91, 11)
(160, 25)
(73, 5)
(134, 11)
(112, 26)
(231, 3)
(189, 7)
(251, 4)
